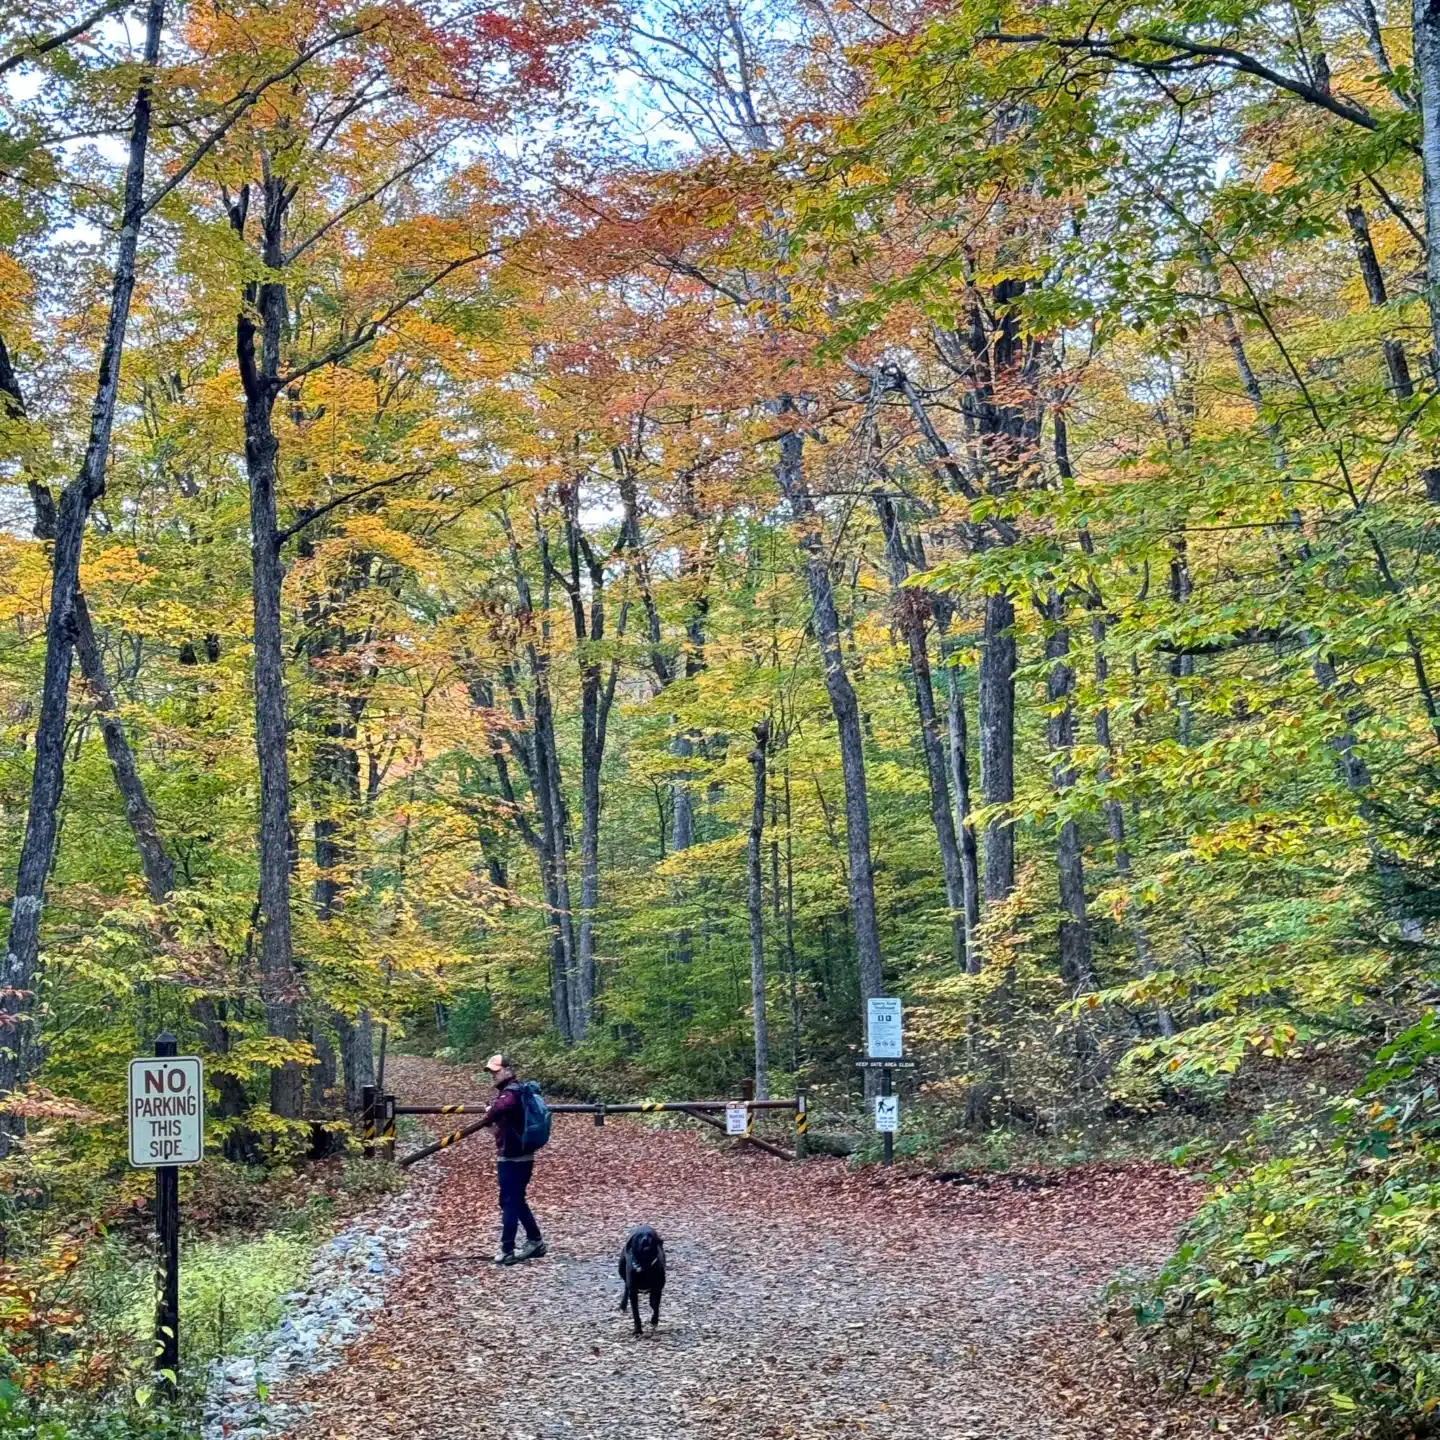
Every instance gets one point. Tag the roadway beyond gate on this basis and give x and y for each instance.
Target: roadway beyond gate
(804, 1301)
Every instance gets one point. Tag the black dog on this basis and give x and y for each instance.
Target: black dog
(642, 1267)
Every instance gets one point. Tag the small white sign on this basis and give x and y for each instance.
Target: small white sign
(167, 1111)
(887, 1114)
(737, 1121)
(883, 1039)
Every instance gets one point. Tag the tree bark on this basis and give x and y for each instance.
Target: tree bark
(1115, 821)
(156, 864)
(597, 695)
(539, 759)
(1393, 351)
(1182, 667)
(826, 622)
(959, 749)
(1425, 38)
(757, 913)
(357, 1055)
(22, 957)
(259, 378)
(997, 743)
(335, 796)
(912, 613)
(1076, 963)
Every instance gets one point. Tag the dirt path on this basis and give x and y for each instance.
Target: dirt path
(803, 1301)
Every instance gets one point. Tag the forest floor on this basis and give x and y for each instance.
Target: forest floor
(804, 1301)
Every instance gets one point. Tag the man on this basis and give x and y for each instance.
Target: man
(513, 1165)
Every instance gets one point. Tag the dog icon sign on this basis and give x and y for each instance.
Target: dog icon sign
(887, 1114)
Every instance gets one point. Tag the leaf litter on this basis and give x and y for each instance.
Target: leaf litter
(803, 1301)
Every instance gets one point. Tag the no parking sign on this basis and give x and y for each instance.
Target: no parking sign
(167, 1111)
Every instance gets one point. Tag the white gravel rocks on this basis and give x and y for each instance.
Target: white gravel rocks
(348, 1279)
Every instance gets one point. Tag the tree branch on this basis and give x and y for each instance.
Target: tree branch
(367, 332)
(1250, 635)
(1226, 56)
(247, 99)
(35, 48)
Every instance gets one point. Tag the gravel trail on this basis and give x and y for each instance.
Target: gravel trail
(804, 1301)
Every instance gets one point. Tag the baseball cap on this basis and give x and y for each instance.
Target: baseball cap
(496, 1063)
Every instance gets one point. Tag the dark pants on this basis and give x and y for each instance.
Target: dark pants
(513, 1177)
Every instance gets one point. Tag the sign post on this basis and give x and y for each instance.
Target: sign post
(884, 1050)
(167, 1130)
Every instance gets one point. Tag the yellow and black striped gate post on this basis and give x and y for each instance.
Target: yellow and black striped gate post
(387, 1133)
(367, 1120)
(802, 1126)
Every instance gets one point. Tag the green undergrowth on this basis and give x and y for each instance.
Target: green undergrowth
(77, 1345)
(1309, 1281)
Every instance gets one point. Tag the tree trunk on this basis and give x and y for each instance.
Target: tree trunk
(826, 622)
(1425, 37)
(682, 824)
(958, 735)
(997, 742)
(1115, 821)
(1396, 364)
(323, 1073)
(240, 1144)
(590, 761)
(757, 913)
(278, 981)
(912, 613)
(557, 880)
(597, 695)
(357, 1055)
(335, 794)
(1182, 667)
(1075, 952)
(22, 957)
(159, 871)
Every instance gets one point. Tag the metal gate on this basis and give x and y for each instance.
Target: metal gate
(379, 1111)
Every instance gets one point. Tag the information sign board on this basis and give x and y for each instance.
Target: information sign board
(884, 1040)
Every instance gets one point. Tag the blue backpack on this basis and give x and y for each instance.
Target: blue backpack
(535, 1131)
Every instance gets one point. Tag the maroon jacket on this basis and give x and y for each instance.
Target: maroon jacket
(506, 1115)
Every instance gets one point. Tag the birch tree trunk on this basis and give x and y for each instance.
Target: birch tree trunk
(1425, 38)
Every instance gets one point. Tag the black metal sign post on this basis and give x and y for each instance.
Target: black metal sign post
(884, 1049)
(166, 1116)
(887, 1139)
(167, 1261)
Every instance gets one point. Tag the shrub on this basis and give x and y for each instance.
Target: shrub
(1310, 1281)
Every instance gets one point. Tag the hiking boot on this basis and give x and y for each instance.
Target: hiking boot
(532, 1250)
(506, 1257)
